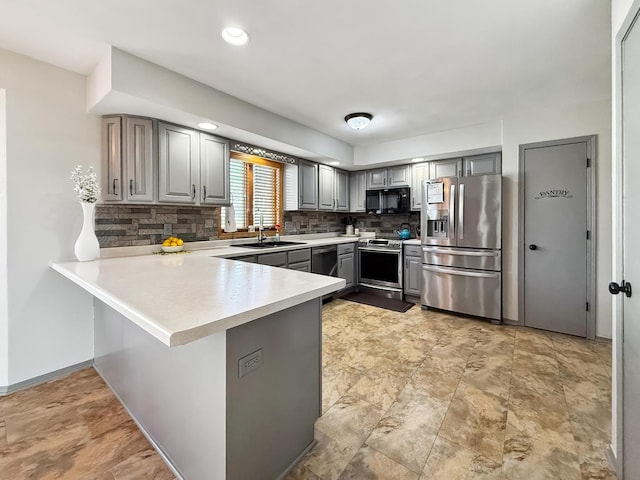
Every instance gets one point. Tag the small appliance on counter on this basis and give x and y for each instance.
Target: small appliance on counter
(461, 240)
(405, 231)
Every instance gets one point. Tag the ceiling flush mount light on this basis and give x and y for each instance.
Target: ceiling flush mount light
(358, 121)
(235, 36)
(417, 159)
(207, 126)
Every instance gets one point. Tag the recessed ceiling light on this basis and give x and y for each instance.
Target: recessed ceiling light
(358, 121)
(334, 163)
(418, 159)
(235, 36)
(207, 126)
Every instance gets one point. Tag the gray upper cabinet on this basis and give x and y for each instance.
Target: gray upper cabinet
(446, 168)
(398, 176)
(179, 164)
(419, 173)
(111, 174)
(358, 191)
(214, 170)
(377, 178)
(483, 164)
(127, 159)
(307, 185)
(341, 182)
(138, 149)
(326, 188)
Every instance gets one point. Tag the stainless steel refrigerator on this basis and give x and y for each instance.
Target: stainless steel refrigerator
(461, 224)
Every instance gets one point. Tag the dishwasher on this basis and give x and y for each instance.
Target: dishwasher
(324, 260)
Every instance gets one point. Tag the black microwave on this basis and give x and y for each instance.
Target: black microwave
(389, 200)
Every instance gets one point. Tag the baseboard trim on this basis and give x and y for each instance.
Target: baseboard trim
(47, 377)
(293, 464)
(515, 323)
(144, 431)
(613, 461)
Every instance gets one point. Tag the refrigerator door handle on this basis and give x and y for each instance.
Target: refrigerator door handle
(442, 251)
(461, 213)
(462, 273)
(452, 212)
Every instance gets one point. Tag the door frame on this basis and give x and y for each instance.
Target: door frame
(616, 450)
(591, 223)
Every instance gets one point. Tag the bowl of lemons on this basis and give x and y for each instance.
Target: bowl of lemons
(172, 244)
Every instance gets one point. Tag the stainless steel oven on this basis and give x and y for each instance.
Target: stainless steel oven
(380, 266)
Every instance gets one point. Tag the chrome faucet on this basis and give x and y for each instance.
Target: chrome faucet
(260, 233)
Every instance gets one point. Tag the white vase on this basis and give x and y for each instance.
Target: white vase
(87, 247)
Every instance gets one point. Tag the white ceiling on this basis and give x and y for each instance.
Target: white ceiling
(418, 66)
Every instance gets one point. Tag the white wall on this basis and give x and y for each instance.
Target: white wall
(552, 124)
(48, 133)
(4, 308)
(430, 146)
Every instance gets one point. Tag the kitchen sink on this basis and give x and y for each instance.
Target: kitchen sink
(268, 244)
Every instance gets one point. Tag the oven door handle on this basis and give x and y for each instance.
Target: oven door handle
(464, 253)
(383, 250)
(462, 273)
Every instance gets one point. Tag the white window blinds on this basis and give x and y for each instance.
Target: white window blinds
(255, 187)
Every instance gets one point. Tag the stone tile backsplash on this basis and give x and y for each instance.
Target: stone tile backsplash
(385, 226)
(131, 225)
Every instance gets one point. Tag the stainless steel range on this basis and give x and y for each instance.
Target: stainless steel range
(380, 266)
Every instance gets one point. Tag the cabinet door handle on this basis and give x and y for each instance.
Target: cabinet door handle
(114, 186)
(193, 191)
(406, 264)
(131, 186)
(204, 193)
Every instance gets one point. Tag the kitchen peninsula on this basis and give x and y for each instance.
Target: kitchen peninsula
(217, 360)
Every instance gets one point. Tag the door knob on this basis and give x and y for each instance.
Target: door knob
(615, 289)
(533, 246)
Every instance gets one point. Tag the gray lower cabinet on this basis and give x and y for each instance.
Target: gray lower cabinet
(358, 191)
(275, 259)
(299, 260)
(482, 164)
(247, 258)
(127, 159)
(412, 270)
(347, 263)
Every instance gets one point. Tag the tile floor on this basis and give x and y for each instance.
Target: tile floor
(424, 395)
(415, 395)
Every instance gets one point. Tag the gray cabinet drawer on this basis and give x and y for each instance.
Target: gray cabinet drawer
(301, 267)
(246, 258)
(413, 251)
(302, 255)
(346, 248)
(276, 259)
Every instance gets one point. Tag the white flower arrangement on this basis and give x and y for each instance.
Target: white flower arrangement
(85, 184)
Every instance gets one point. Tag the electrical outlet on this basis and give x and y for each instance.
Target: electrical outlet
(249, 363)
(288, 226)
(167, 229)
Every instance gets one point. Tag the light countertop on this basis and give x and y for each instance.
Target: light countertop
(183, 297)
